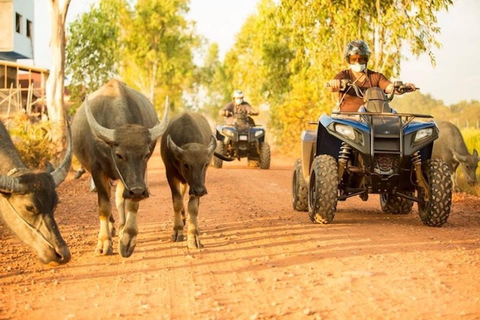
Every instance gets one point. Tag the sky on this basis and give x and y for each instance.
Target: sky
(456, 76)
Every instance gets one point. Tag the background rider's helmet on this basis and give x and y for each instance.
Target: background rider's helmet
(357, 47)
(238, 96)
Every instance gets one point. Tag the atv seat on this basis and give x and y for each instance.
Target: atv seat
(376, 101)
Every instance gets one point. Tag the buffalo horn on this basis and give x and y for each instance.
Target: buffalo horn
(61, 172)
(160, 128)
(10, 185)
(103, 133)
(212, 145)
(172, 146)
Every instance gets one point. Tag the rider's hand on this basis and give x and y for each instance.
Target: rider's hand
(334, 84)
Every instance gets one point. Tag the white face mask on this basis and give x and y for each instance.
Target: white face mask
(357, 67)
(238, 101)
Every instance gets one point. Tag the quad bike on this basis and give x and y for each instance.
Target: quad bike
(375, 151)
(243, 139)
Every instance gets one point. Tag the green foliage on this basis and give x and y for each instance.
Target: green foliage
(147, 43)
(214, 91)
(92, 50)
(32, 140)
(158, 50)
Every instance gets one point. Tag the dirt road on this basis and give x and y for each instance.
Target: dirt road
(261, 260)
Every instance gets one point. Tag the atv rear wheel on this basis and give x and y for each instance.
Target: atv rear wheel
(435, 211)
(217, 162)
(299, 188)
(394, 204)
(264, 155)
(323, 189)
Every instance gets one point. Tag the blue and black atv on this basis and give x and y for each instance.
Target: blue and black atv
(375, 151)
(243, 139)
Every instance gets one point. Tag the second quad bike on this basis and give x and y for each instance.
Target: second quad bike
(242, 139)
(374, 151)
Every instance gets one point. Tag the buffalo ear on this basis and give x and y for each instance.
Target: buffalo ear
(457, 156)
(475, 154)
(176, 150)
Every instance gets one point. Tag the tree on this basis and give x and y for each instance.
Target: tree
(147, 43)
(301, 43)
(93, 48)
(158, 56)
(55, 82)
(213, 87)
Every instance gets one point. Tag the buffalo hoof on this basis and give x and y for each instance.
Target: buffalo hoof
(113, 230)
(177, 237)
(126, 245)
(194, 243)
(104, 248)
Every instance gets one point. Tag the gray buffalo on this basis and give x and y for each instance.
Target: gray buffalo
(28, 200)
(114, 134)
(451, 147)
(187, 148)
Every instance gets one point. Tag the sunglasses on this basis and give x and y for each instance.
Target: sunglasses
(357, 58)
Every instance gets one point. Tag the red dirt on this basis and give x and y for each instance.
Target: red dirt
(261, 260)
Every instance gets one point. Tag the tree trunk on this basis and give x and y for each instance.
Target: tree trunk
(55, 82)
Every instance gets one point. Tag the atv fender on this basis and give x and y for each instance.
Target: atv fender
(309, 140)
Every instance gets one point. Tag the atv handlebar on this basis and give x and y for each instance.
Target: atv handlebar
(229, 113)
(397, 85)
(401, 88)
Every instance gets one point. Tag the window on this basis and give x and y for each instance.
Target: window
(29, 29)
(18, 23)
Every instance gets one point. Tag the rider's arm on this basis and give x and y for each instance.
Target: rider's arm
(250, 110)
(335, 84)
(227, 110)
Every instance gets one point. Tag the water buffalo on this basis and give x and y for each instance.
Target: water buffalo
(451, 147)
(187, 147)
(28, 200)
(114, 135)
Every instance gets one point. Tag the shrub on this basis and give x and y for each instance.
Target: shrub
(33, 140)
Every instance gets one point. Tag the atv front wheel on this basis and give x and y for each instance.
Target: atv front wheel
(299, 188)
(394, 204)
(264, 155)
(217, 162)
(435, 211)
(323, 189)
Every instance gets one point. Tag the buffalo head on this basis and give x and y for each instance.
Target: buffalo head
(130, 147)
(193, 160)
(469, 164)
(28, 201)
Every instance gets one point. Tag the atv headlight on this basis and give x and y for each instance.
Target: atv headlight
(258, 133)
(422, 134)
(227, 133)
(345, 131)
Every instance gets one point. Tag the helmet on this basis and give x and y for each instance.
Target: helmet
(357, 47)
(238, 94)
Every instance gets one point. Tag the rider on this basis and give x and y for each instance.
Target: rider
(237, 105)
(357, 54)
